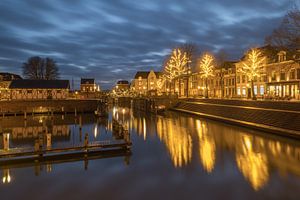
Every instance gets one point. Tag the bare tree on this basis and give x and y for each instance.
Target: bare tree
(51, 69)
(287, 35)
(40, 68)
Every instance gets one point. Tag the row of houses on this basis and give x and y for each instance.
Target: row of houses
(280, 80)
(13, 87)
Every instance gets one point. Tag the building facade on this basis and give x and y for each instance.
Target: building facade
(5, 80)
(89, 85)
(39, 89)
(283, 76)
(145, 82)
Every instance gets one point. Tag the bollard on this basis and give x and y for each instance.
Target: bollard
(6, 141)
(49, 141)
(86, 140)
(25, 115)
(75, 112)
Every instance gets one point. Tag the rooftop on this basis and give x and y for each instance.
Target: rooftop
(39, 84)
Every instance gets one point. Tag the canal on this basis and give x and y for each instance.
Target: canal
(175, 156)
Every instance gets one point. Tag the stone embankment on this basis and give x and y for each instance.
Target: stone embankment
(48, 106)
(154, 104)
(273, 116)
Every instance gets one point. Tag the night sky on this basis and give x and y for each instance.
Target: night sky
(112, 39)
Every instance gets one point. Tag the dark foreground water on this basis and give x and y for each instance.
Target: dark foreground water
(175, 156)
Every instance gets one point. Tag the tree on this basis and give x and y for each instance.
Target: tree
(192, 53)
(40, 68)
(206, 69)
(176, 65)
(253, 67)
(287, 35)
(51, 71)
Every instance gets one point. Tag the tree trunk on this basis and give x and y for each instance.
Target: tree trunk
(206, 88)
(252, 90)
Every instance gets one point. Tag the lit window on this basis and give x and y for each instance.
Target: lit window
(238, 91)
(255, 89)
(262, 90)
(244, 91)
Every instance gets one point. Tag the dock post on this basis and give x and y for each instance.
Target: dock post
(6, 141)
(86, 141)
(49, 141)
(75, 112)
(25, 115)
(80, 122)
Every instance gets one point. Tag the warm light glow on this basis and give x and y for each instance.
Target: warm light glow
(6, 176)
(96, 131)
(206, 66)
(207, 147)
(253, 164)
(177, 140)
(254, 65)
(177, 65)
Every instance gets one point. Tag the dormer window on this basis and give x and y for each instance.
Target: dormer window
(281, 56)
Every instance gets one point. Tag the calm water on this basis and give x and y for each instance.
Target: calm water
(173, 157)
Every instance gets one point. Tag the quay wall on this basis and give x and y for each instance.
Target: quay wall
(281, 118)
(48, 106)
(153, 104)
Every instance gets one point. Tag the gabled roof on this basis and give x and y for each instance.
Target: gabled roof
(122, 82)
(4, 76)
(145, 74)
(39, 84)
(87, 81)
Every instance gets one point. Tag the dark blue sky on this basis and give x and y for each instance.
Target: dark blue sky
(112, 39)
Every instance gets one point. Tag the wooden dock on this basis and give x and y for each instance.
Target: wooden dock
(98, 146)
(64, 158)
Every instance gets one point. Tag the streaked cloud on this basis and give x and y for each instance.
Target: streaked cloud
(110, 40)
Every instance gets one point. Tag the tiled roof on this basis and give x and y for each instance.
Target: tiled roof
(122, 82)
(39, 84)
(142, 74)
(4, 76)
(145, 74)
(87, 81)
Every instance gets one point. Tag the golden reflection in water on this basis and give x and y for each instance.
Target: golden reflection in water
(177, 141)
(207, 147)
(6, 176)
(253, 165)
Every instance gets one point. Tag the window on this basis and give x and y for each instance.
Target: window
(238, 79)
(238, 91)
(255, 89)
(262, 90)
(244, 91)
(273, 76)
(292, 74)
(298, 73)
(243, 79)
(282, 76)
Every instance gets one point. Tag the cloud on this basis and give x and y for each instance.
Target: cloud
(111, 40)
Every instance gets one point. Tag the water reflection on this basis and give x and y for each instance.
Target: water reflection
(257, 155)
(187, 142)
(207, 146)
(67, 131)
(252, 162)
(177, 140)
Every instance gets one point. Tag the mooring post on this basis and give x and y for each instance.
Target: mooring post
(86, 141)
(6, 141)
(25, 115)
(80, 122)
(49, 141)
(75, 112)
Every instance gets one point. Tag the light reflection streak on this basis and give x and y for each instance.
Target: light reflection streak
(252, 164)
